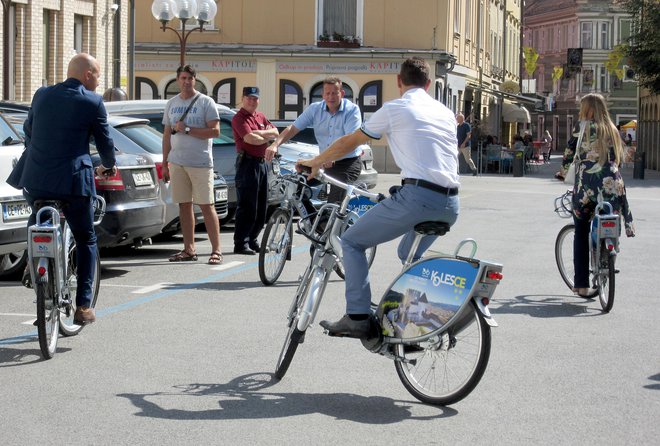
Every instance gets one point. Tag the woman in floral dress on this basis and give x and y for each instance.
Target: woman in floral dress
(597, 175)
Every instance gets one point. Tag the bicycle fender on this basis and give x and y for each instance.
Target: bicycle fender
(483, 309)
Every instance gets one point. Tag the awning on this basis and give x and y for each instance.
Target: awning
(515, 113)
(631, 125)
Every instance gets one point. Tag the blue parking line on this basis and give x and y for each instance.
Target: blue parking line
(152, 297)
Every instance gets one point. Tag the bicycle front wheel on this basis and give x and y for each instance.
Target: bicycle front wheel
(564, 258)
(605, 280)
(295, 336)
(47, 317)
(275, 246)
(448, 367)
(371, 255)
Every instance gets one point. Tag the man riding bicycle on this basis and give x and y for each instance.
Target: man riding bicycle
(421, 133)
(56, 163)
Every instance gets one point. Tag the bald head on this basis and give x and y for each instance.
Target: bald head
(460, 118)
(86, 69)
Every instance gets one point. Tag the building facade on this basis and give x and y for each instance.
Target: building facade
(39, 37)
(575, 40)
(472, 47)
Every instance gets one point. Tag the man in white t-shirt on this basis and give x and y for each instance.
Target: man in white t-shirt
(421, 132)
(191, 121)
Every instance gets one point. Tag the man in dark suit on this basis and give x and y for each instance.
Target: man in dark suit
(57, 165)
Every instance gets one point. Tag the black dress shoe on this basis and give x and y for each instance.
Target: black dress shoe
(254, 246)
(347, 327)
(246, 251)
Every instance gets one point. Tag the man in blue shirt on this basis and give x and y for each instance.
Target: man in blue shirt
(331, 119)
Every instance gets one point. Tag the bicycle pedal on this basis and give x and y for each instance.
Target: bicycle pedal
(616, 271)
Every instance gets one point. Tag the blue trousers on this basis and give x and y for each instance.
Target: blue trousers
(391, 218)
(80, 217)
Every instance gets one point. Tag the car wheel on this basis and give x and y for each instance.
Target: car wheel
(13, 264)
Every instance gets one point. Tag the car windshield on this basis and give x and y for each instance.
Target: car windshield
(144, 136)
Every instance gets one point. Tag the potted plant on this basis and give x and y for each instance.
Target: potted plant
(337, 40)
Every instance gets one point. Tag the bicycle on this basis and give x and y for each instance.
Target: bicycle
(52, 264)
(605, 230)
(433, 321)
(276, 242)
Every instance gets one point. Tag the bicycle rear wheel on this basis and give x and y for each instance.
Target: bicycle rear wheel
(447, 368)
(67, 326)
(605, 280)
(47, 316)
(275, 246)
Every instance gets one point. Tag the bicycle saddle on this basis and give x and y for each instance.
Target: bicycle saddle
(432, 228)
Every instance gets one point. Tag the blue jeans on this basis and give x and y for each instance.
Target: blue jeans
(391, 218)
(80, 217)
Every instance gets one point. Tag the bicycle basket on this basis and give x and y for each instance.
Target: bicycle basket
(564, 205)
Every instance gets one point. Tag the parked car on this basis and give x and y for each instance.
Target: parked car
(368, 176)
(149, 140)
(224, 146)
(15, 210)
(134, 210)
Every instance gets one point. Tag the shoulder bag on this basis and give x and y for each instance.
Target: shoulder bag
(185, 113)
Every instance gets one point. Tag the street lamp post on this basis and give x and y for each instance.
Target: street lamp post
(201, 10)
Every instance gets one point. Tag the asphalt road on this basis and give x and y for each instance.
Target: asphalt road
(183, 353)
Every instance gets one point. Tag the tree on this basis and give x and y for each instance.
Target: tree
(644, 43)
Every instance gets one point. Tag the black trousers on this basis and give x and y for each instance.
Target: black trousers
(347, 171)
(252, 199)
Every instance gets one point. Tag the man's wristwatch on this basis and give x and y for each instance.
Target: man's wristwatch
(187, 130)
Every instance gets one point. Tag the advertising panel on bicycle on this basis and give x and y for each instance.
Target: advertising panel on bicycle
(427, 296)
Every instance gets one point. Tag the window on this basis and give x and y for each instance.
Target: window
(172, 89)
(145, 88)
(316, 95)
(468, 19)
(457, 16)
(371, 98)
(340, 17)
(586, 35)
(291, 99)
(603, 79)
(47, 48)
(605, 36)
(224, 92)
(78, 33)
(624, 30)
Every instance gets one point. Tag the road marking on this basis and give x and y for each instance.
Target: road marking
(107, 285)
(227, 265)
(150, 288)
(164, 293)
(30, 322)
(16, 314)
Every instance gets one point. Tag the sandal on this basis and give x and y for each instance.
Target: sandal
(215, 259)
(183, 256)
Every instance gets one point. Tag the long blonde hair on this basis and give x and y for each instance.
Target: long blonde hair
(606, 133)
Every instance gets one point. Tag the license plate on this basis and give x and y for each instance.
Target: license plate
(142, 178)
(221, 195)
(15, 211)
